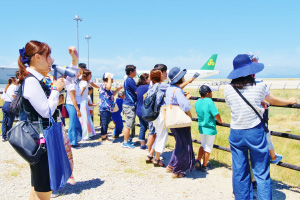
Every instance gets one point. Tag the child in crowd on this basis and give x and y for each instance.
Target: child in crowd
(207, 113)
(141, 91)
(91, 104)
(129, 104)
(106, 102)
(116, 116)
(275, 158)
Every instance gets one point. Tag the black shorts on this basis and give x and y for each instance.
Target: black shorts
(40, 175)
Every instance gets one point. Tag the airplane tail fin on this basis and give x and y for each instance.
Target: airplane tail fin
(211, 63)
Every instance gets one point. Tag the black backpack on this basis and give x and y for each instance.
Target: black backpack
(16, 104)
(151, 109)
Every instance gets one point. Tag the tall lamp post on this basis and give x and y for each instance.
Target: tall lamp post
(87, 37)
(77, 20)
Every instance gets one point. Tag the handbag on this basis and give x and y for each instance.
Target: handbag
(27, 139)
(174, 116)
(64, 111)
(263, 121)
(59, 166)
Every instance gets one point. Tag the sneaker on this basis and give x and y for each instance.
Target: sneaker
(277, 159)
(127, 145)
(198, 165)
(204, 168)
(55, 194)
(143, 147)
(71, 181)
(115, 136)
(77, 146)
(254, 185)
(4, 139)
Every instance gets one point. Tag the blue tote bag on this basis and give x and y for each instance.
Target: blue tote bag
(59, 165)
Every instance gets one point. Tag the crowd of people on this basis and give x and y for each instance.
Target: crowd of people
(247, 133)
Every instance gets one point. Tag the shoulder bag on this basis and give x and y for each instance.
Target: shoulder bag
(16, 103)
(26, 137)
(175, 117)
(264, 123)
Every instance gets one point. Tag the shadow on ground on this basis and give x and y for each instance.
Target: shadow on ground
(277, 186)
(82, 185)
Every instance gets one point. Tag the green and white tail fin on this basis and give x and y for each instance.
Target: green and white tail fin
(211, 63)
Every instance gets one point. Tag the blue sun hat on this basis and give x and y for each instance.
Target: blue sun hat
(243, 66)
(175, 74)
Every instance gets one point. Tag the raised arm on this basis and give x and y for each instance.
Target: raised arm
(74, 54)
(187, 82)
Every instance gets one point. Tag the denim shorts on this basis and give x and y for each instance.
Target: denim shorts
(151, 129)
(130, 113)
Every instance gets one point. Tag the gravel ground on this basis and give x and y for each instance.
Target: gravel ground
(108, 171)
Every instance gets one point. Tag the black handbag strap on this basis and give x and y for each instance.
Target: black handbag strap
(250, 105)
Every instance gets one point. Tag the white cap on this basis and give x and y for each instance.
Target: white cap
(108, 74)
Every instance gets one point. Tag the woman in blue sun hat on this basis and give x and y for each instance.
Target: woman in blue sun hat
(247, 133)
(183, 157)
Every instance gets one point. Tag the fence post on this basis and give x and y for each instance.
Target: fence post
(198, 90)
(283, 97)
(297, 92)
(218, 95)
(92, 99)
(297, 95)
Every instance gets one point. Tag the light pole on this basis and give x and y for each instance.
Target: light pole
(77, 19)
(87, 37)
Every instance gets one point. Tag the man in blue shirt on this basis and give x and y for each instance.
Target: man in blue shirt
(129, 104)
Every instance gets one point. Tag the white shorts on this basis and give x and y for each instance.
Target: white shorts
(207, 142)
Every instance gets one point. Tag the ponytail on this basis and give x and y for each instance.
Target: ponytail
(10, 80)
(22, 70)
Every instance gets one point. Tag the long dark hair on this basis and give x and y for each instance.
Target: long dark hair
(31, 48)
(241, 82)
(143, 79)
(10, 81)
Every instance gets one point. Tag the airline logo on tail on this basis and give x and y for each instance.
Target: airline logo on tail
(210, 64)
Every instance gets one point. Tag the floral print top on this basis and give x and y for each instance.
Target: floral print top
(106, 99)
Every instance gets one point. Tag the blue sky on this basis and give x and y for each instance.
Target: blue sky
(144, 33)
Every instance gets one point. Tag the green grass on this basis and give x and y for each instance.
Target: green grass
(287, 147)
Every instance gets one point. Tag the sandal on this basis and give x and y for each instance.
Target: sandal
(169, 169)
(178, 175)
(149, 159)
(158, 163)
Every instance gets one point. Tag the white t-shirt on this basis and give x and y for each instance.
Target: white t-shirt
(242, 115)
(85, 93)
(9, 92)
(90, 102)
(73, 86)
